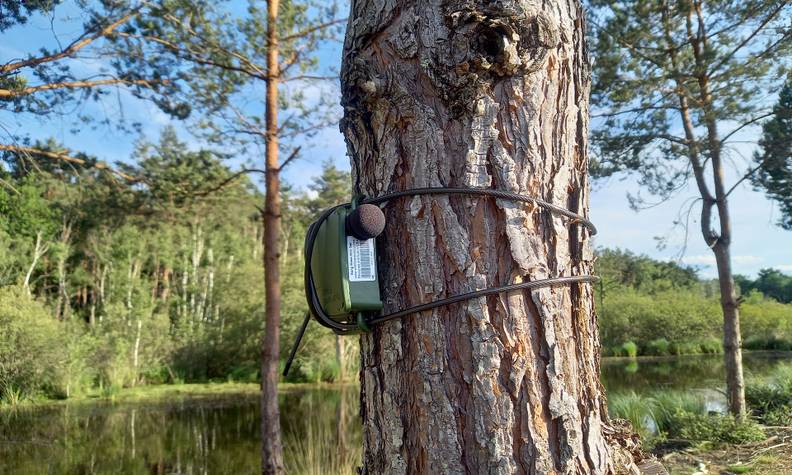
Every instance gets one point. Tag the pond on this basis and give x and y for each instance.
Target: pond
(210, 435)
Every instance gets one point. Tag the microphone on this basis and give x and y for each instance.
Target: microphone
(365, 222)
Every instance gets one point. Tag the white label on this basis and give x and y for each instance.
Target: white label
(360, 260)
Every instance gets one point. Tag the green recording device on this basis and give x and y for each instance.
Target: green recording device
(342, 282)
(342, 287)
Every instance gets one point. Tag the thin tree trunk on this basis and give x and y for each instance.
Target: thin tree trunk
(63, 304)
(720, 242)
(209, 290)
(136, 351)
(271, 448)
(464, 95)
(38, 251)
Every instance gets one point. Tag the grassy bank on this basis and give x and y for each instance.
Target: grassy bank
(662, 416)
(162, 393)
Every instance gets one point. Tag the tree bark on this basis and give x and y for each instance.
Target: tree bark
(271, 448)
(468, 93)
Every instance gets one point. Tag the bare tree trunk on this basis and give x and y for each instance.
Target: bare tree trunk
(732, 344)
(62, 305)
(271, 448)
(209, 289)
(38, 251)
(136, 352)
(478, 94)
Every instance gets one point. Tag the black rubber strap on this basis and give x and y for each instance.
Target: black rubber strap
(534, 284)
(345, 328)
(506, 195)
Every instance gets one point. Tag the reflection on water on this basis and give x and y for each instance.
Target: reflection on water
(192, 436)
(705, 372)
(221, 435)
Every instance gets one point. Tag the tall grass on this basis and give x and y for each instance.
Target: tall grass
(317, 451)
(637, 409)
(11, 395)
(770, 400)
(680, 415)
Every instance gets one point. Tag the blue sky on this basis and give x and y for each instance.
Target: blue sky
(757, 241)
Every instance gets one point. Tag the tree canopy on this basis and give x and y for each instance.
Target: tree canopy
(774, 159)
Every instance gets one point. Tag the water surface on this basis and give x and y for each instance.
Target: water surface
(220, 435)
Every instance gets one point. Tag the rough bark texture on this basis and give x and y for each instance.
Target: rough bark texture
(493, 94)
(271, 448)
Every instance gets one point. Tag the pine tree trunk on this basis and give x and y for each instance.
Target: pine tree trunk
(732, 341)
(478, 94)
(271, 448)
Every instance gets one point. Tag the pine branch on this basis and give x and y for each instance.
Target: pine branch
(65, 157)
(70, 50)
(751, 36)
(12, 93)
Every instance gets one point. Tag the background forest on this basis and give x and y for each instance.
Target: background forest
(106, 284)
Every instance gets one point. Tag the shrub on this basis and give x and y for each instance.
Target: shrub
(782, 416)
(685, 348)
(715, 428)
(630, 349)
(31, 346)
(669, 403)
(771, 402)
(711, 346)
(658, 347)
(772, 343)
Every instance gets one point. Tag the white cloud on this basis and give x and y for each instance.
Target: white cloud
(784, 267)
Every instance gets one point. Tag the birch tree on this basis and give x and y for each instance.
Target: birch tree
(676, 88)
(478, 94)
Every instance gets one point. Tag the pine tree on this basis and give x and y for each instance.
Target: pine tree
(670, 76)
(478, 94)
(774, 159)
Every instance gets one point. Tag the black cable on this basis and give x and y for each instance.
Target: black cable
(534, 284)
(315, 305)
(293, 352)
(343, 328)
(506, 195)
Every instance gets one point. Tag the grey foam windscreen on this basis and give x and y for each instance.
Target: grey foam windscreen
(365, 222)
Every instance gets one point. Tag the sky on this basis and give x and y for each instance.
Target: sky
(757, 242)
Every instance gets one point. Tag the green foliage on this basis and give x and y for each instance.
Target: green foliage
(682, 318)
(774, 160)
(715, 428)
(30, 346)
(629, 349)
(658, 347)
(637, 409)
(619, 268)
(666, 310)
(771, 283)
(771, 401)
(680, 415)
(659, 63)
(14, 12)
(157, 283)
